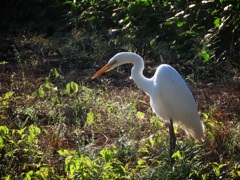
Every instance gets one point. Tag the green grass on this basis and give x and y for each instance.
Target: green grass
(61, 125)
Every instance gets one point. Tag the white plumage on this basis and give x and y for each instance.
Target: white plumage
(170, 97)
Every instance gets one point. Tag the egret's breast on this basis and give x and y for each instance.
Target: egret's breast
(160, 109)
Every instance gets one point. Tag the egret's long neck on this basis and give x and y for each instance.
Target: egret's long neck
(137, 75)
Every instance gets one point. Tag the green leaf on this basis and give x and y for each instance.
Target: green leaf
(217, 22)
(41, 92)
(152, 142)
(33, 131)
(20, 131)
(205, 55)
(8, 177)
(68, 160)
(1, 142)
(28, 175)
(180, 23)
(106, 154)
(37, 106)
(47, 83)
(72, 169)
(216, 170)
(74, 87)
(141, 161)
(68, 88)
(63, 152)
(142, 101)
(211, 123)
(8, 94)
(56, 73)
(4, 129)
(205, 115)
(140, 115)
(155, 120)
(177, 155)
(168, 22)
(90, 118)
(143, 150)
(153, 43)
(214, 12)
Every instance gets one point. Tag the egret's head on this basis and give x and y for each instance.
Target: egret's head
(117, 60)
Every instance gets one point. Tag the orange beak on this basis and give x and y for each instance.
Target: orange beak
(104, 69)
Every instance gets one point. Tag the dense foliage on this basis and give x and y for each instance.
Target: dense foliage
(169, 30)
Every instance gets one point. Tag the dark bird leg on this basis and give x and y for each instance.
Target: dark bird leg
(172, 141)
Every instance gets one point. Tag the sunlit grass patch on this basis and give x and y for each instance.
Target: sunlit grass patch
(66, 129)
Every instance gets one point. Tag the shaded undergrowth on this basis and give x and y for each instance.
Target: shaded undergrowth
(56, 123)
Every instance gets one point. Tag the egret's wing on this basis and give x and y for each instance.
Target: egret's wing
(176, 100)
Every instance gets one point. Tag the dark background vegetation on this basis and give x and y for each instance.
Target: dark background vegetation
(172, 31)
(44, 38)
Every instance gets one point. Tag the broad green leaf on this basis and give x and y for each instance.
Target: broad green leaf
(90, 118)
(211, 123)
(36, 130)
(8, 94)
(157, 121)
(8, 177)
(4, 102)
(33, 131)
(142, 101)
(37, 106)
(72, 169)
(221, 165)
(4, 129)
(74, 87)
(216, 170)
(141, 161)
(63, 152)
(214, 12)
(20, 131)
(68, 159)
(217, 22)
(205, 55)
(205, 115)
(88, 162)
(180, 23)
(153, 43)
(41, 92)
(28, 175)
(143, 150)
(152, 142)
(140, 115)
(177, 154)
(68, 88)
(56, 73)
(168, 22)
(47, 82)
(106, 154)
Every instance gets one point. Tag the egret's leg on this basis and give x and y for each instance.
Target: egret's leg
(172, 140)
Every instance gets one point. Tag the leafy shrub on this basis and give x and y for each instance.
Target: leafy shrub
(165, 29)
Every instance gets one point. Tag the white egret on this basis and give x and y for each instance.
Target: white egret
(170, 97)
